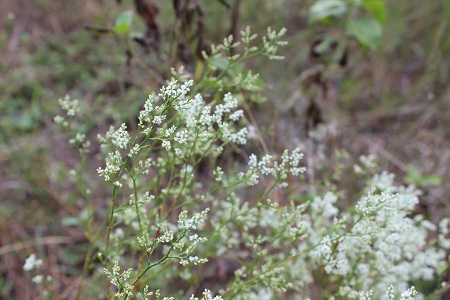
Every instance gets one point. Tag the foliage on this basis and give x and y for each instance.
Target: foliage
(366, 30)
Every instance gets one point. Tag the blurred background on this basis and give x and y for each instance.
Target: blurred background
(340, 92)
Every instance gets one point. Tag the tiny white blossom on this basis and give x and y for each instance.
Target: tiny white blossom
(237, 115)
(158, 119)
(181, 136)
(166, 144)
(118, 184)
(31, 262)
(38, 279)
(70, 106)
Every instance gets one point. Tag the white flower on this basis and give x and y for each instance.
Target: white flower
(118, 183)
(31, 262)
(325, 205)
(119, 138)
(236, 115)
(181, 136)
(166, 144)
(69, 105)
(206, 296)
(158, 119)
(38, 279)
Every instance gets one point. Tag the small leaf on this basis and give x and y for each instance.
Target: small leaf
(367, 32)
(224, 3)
(414, 177)
(209, 83)
(323, 9)
(199, 70)
(325, 45)
(377, 8)
(430, 180)
(123, 22)
(220, 62)
(236, 69)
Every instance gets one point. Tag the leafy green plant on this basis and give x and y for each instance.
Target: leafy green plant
(359, 19)
(123, 22)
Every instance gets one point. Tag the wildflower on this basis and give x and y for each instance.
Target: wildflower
(38, 279)
(31, 262)
(181, 136)
(70, 106)
(207, 295)
(166, 144)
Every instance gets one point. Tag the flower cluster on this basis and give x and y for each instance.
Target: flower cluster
(207, 123)
(379, 238)
(155, 114)
(31, 263)
(70, 107)
(113, 166)
(409, 294)
(271, 43)
(187, 244)
(281, 241)
(289, 164)
(367, 250)
(146, 295)
(206, 296)
(119, 279)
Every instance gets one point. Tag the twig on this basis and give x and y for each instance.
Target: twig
(49, 240)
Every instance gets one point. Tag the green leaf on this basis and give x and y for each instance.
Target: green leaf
(236, 69)
(414, 177)
(325, 45)
(367, 32)
(377, 8)
(123, 22)
(323, 9)
(220, 62)
(224, 3)
(430, 180)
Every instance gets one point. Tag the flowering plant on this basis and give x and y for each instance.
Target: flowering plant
(179, 205)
